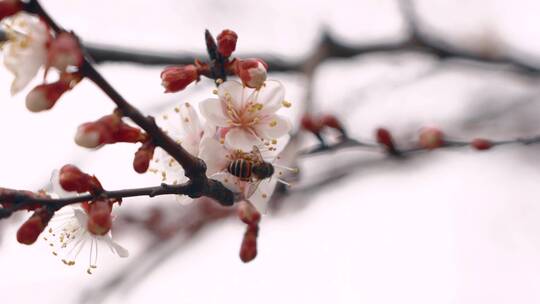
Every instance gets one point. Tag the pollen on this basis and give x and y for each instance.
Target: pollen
(274, 141)
(264, 195)
(286, 104)
(165, 117)
(177, 109)
(219, 81)
(273, 123)
(215, 92)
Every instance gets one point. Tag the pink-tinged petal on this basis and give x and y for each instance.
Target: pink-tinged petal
(183, 200)
(212, 110)
(214, 155)
(231, 182)
(81, 216)
(262, 195)
(115, 247)
(235, 91)
(190, 119)
(273, 127)
(271, 96)
(239, 138)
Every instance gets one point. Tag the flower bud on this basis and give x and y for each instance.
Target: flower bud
(331, 121)
(248, 213)
(65, 51)
(431, 138)
(9, 7)
(481, 144)
(248, 249)
(99, 217)
(177, 78)
(252, 72)
(109, 129)
(44, 96)
(72, 179)
(384, 138)
(311, 124)
(143, 156)
(226, 41)
(32, 228)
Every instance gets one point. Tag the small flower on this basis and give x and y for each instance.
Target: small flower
(249, 115)
(69, 232)
(25, 52)
(185, 128)
(252, 72)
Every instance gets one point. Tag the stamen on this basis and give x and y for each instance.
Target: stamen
(286, 104)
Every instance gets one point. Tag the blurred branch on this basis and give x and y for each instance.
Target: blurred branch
(328, 47)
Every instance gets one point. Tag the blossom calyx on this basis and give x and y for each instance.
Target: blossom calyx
(72, 179)
(248, 213)
(252, 72)
(226, 42)
(177, 78)
(99, 217)
(32, 228)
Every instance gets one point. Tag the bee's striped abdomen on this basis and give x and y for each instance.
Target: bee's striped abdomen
(240, 168)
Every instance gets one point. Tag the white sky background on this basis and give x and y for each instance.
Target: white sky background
(453, 226)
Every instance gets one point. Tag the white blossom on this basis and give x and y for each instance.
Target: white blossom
(248, 114)
(68, 235)
(25, 51)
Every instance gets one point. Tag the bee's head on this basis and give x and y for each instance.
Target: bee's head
(263, 170)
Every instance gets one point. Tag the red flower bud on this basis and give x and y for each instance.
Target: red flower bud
(248, 213)
(109, 129)
(481, 144)
(73, 179)
(226, 42)
(9, 7)
(44, 96)
(143, 156)
(311, 124)
(384, 138)
(99, 217)
(177, 78)
(252, 72)
(331, 121)
(431, 138)
(32, 228)
(65, 51)
(248, 249)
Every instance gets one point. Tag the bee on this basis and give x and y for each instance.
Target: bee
(252, 169)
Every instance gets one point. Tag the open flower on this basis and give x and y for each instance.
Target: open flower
(68, 233)
(218, 156)
(25, 51)
(185, 128)
(248, 114)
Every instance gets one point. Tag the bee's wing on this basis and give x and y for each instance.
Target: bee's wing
(252, 187)
(258, 154)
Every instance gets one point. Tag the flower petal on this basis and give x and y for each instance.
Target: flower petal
(117, 248)
(214, 155)
(273, 127)
(270, 96)
(212, 110)
(229, 181)
(240, 138)
(262, 195)
(236, 91)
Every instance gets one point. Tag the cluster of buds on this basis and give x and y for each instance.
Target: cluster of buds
(72, 179)
(143, 156)
(34, 226)
(317, 124)
(249, 215)
(109, 129)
